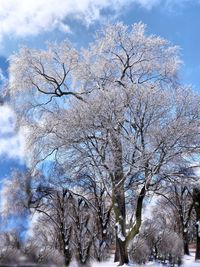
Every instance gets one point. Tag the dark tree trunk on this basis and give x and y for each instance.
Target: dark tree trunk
(138, 215)
(186, 249)
(65, 246)
(186, 243)
(155, 255)
(65, 233)
(116, 259)
(197, 255)
(123, 252)
(196, 199)
(184, 217)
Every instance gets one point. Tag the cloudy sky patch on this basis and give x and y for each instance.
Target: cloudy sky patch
(11, 142)
(33, 22)
(31, 17)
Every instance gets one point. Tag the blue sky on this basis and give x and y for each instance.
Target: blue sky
(33, 22)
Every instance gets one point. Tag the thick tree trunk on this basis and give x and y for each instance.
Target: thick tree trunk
(118, 200)
(120, 215)
(196, 199)
(122, 242)
(123, 252)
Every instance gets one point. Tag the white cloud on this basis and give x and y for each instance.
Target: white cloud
(63, 27)
(31, 17)
(11, 143)
(7, 120)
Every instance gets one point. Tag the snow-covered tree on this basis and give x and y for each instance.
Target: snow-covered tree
(157, 240)
(10, 247)
(127, 122)
(101, 208)
(178, 202)
(42, 244)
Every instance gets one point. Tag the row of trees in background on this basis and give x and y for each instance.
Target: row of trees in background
(63, 224)
(116, 123)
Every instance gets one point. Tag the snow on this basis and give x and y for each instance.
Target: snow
(121, 236)
(188, 261)
(119, 232)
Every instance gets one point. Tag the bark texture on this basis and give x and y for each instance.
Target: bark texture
(196, 199)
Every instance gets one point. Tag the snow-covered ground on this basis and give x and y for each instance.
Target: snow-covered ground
(188, 261)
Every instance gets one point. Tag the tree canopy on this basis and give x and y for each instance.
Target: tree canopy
(114, 114)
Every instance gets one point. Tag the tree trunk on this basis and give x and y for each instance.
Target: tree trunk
(196, 199)
(121, 253)
(66, 250)
(155, 254)
(186, 243)
(186, 248)
(118, 200)
(116, 259)
(197, 255)
(65, 233)
(138, 215)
